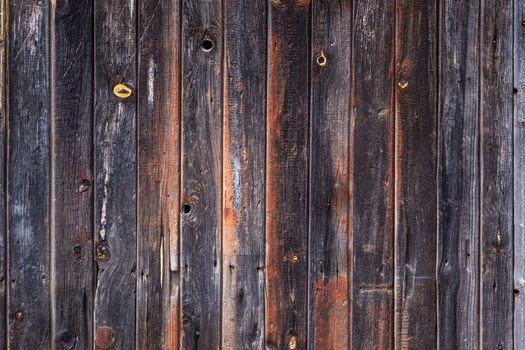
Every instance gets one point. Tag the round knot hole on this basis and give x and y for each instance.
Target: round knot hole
(207, 45)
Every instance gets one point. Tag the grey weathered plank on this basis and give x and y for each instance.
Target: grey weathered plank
(201, 170)
(72, 179)
(329, 175)
(28, 174)
(496, 175)
(3, 170)
(287, 175)
(115, 166)
(519, 174)
(458, 176)
(373, 175)
(158, 169)
(415, 174)
(244, 129)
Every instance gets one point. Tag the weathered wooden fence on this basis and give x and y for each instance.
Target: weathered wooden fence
(249, 174)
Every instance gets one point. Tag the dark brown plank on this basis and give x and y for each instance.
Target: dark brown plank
(201, 171)
(115, 155)
(329, 175)
(496, 175)
(243, 179)
(158, 174)
(519, 171)
(373, 175)
(287, 175)
(28, 174)
(415, 174)
(71, 183)
(458, 176)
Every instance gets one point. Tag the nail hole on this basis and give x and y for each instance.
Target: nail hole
(321, 60)
(186, 208)
(207, 45)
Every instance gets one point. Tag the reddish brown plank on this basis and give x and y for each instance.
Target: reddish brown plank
(329, 175)
(415, 174)
(158, 174)
(243, 175)
(287, 175)
(373, 175)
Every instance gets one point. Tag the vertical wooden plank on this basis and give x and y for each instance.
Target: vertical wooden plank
(519, 171)
(72, 178)
(28, 174)
(243, 174)
(115, 156)
(329, 175)
(158, 174)
(201, 173)
(496, 136)
(373, 175)
(3, 170)
(458, 176)
(287, 174)
(415, 174)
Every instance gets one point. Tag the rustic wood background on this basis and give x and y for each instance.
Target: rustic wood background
(285, 174)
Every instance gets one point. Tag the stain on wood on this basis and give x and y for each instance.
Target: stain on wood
(329, 176)
(158, 174)
(284, 174)
(244, 128)
(287, 176)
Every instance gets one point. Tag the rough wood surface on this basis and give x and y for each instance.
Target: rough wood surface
(458, 180)
(373, 175)
(158, 174)
(201, 170)
(287, 175)
(72, 169)
(28, 176)
(329, 175)
(115, 166)
(496, 137)
(415, 174)
(243, 175)
(3, 172)
(519, 174)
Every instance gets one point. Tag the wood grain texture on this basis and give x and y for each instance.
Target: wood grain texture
(519, 173)
(72, 179)
(244, 130)
(28, 174)
(458, 176)
(115, 166)
(329, 175)
(415, 174)
(3, 171)
(287, 175)
(496, 137)
(201, 170)
(158, 168)
(373, 175)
